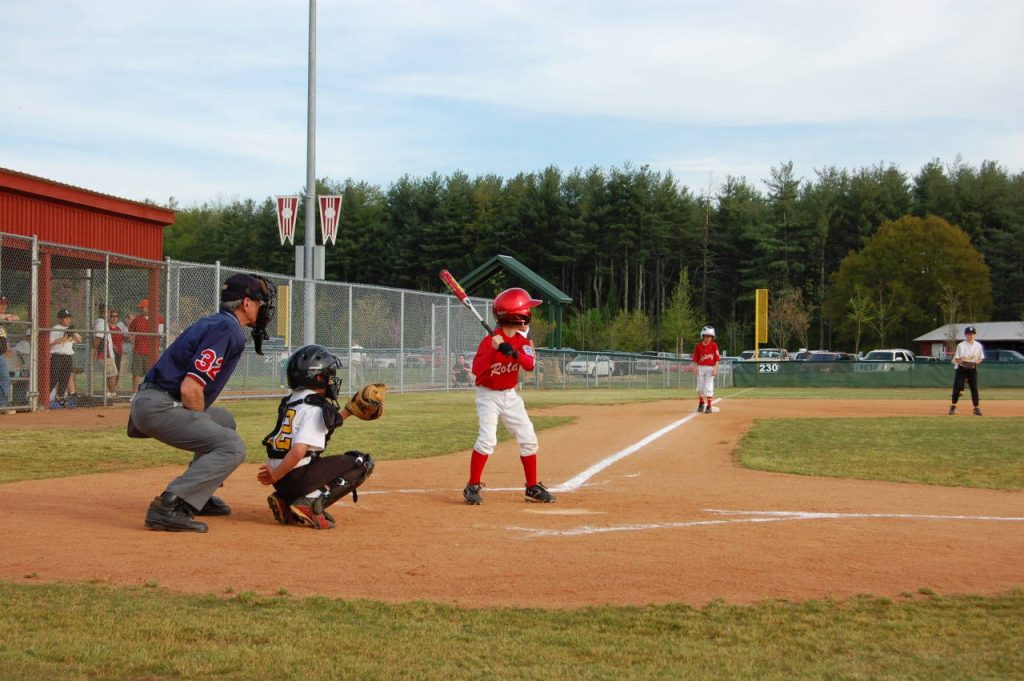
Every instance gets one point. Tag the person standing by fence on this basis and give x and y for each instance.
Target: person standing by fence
(62, 361)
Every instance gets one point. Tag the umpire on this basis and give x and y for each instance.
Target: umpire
(174, 401)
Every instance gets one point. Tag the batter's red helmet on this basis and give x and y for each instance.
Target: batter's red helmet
(512, 306)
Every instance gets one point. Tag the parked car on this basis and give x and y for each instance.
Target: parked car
(597, 365)
(1001, 356)
(896, 359)
(822, 356)
(928, 359)
(766, 354)
(648, 362)
(896, 355)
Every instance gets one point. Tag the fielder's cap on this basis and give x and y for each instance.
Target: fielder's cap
(970, 329)
(144, 303)
(239, 286)
(4, 300)
(64, 312)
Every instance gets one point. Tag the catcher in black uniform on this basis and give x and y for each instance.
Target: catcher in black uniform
(306, 483)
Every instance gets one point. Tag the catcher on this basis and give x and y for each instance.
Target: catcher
(969, 354)
(306, 483)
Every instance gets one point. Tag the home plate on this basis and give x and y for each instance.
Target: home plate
(563, 511)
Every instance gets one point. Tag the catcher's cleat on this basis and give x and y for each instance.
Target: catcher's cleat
(977, 411)
(472, 494)
(279, 507)
(215, 506)
(539, 493)
(171, 513)
(952, 410)
(309, 512)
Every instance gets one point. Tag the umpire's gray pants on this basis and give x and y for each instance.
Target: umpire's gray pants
(209, 434)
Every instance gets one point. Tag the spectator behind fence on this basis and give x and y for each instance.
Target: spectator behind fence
(5, 316)
(5, 376)
(103, 343)
(144, 345)
(62, 361)
(118, 334)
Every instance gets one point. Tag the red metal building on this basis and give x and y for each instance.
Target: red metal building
(58, 215)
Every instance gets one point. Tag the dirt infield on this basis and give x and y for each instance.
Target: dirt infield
(674, 521)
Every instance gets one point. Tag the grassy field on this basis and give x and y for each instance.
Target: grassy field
(93, 631)
(97, 632)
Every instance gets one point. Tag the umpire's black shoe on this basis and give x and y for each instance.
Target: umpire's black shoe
(215, 506)
(170, 513)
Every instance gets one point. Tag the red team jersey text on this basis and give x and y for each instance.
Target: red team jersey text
(497, 371)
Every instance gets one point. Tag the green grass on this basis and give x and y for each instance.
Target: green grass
(873, 394)
(414, 425)
(97, 632)
(934, 450)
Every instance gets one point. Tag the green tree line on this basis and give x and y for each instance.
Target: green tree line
(648, 261)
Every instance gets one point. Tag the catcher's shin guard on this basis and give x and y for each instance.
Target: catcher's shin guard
(361, 469)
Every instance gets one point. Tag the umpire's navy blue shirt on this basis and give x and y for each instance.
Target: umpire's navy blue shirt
(206, 351)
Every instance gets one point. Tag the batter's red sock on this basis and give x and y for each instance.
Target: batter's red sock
(709, 404)
(530, 468)
(476, 467)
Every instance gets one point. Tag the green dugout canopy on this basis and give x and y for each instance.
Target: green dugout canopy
(538, 286)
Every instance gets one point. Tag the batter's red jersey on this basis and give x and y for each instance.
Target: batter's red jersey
(706, 354)
(500, 372)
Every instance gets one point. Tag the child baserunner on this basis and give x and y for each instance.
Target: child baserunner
(706, 356)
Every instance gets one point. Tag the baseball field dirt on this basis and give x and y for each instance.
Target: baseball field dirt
(676, 520)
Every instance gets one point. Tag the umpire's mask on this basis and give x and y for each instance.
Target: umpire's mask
(239, 286)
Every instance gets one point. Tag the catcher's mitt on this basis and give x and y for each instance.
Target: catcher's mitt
(967, 364)
(368, 402)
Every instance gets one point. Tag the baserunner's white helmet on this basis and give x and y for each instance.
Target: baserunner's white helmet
(708, 331)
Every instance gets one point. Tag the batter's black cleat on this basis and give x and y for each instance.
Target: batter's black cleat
(977, 411)
(215, 506)
(952, 410)
(472, 494)
(170, 513)
(539, 493)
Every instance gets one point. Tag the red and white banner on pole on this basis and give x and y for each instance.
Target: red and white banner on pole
(330, 213)
(287, 212)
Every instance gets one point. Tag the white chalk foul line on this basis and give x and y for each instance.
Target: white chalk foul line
(753, 517)
(574, 483)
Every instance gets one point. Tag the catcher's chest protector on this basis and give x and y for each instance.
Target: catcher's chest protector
(286, 412)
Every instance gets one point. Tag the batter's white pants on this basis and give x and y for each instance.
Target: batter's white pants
(508, 406)
(705, 381)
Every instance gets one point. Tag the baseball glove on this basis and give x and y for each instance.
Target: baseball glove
(368, 402)
(967, 364)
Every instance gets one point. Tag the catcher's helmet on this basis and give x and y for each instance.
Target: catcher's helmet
(708, 331)
(314, 366)
(512, 306)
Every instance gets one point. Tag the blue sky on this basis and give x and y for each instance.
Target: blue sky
(206, 101)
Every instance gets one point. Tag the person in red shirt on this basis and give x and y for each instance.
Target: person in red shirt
(496, 367)
(706, 357)
(143, 328)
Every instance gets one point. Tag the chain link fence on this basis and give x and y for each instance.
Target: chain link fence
(125, 311)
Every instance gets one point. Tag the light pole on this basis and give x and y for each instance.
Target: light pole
(309, 248)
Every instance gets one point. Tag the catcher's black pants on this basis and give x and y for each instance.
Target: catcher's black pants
(317, 474)
(969, 375)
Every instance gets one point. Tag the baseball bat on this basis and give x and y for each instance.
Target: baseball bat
(460, 293)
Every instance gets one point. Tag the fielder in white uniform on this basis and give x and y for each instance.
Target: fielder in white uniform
(969, 354)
